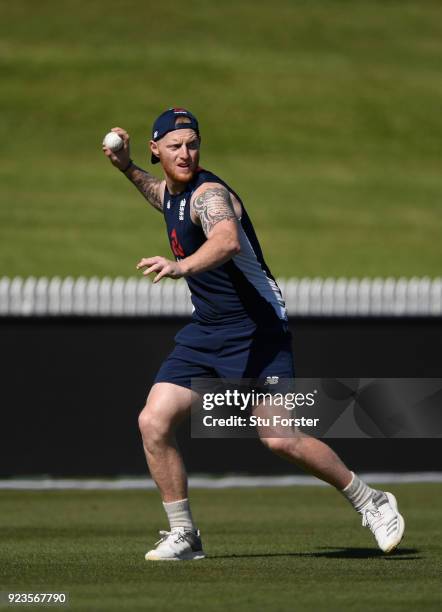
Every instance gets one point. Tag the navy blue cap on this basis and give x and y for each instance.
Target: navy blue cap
(170, 121)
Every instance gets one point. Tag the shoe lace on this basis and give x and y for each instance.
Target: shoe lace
(165, 534)
(371, 517)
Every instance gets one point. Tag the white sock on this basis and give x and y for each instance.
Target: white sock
(358, 493)
(179, 515)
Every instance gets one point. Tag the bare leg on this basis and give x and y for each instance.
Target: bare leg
(313, 456)
(167, 405)
(309, 453)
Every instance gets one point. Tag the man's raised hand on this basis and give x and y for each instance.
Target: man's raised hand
(120, 159)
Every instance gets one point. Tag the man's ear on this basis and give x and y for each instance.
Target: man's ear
(154, 147)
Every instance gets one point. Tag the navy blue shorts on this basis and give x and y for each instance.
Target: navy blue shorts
(207, 351)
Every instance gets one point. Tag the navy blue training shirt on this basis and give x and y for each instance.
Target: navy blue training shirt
(241, 290)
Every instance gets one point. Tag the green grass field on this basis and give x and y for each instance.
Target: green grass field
(325, 116)
(299, 548)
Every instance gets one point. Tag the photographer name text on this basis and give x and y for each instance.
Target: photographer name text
(257, 421)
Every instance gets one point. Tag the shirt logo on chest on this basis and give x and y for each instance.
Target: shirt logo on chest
(182, 207)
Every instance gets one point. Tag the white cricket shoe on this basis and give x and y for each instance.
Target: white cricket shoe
(177, 545)
(382, 517)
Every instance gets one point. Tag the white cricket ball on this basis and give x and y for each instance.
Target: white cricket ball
(113, 142)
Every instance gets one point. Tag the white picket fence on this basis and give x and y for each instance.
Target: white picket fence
(130, 297)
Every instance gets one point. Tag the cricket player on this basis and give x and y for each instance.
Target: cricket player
(238, 330)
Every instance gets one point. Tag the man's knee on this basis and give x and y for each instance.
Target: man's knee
(154, 427)
(166, 406)
(144, 421)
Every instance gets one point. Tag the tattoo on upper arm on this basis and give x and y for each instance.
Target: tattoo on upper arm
(212, 206)
(148, 186)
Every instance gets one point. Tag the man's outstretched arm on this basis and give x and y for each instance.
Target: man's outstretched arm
(149, 186)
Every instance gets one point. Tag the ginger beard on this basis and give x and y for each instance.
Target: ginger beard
(179, 154)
